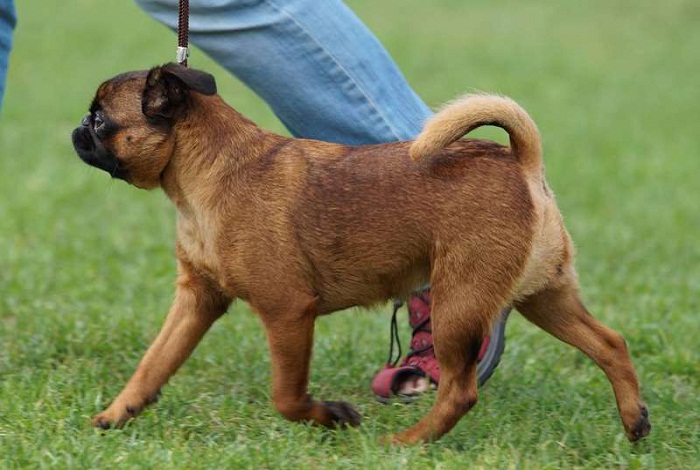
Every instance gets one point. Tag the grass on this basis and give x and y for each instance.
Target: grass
(87, 263)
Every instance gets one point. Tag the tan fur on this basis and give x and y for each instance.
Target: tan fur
(471, 111)
(301, 228)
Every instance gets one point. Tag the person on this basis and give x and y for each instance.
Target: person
(8, 19)
(326, 77)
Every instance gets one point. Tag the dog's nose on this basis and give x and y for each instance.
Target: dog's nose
(86, 121)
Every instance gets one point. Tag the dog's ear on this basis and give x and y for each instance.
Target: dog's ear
(167, 90)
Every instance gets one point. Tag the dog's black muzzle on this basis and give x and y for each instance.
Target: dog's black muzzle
(91, 151)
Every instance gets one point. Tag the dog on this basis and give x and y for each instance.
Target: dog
(301, 228)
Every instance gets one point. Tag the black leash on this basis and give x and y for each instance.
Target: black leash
(183, 32)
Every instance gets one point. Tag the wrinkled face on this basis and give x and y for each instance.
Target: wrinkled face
(129, 131)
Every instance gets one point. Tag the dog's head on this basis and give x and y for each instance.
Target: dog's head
(129, 130)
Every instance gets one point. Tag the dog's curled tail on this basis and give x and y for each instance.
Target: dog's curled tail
(471, 111)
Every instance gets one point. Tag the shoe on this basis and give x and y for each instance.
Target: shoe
(419, 371)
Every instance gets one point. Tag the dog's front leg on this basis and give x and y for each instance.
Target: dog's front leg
(197, 305)
(290, 336)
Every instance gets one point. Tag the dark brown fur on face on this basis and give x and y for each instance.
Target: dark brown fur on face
(301, 228)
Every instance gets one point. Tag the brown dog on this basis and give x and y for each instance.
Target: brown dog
(300, 228)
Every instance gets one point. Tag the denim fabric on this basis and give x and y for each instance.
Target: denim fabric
(318, 67)
(8, 20)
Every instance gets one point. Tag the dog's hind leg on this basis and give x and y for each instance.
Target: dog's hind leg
(197, 305)
(560, 312)
(290, 330)
(461, 317)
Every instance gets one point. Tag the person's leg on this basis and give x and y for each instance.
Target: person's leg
(314, 62)
(8, 20)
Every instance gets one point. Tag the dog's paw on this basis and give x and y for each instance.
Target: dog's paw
(114, 417)
(101, 422)
(642, 427)
(390, 440)
(406, 438)
(342, 414)
(106, 421)
(122, 410)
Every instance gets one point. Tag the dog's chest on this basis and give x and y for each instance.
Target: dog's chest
(197, 238)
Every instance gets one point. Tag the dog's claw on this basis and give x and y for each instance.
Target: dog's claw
(343, 414)
(106, 421)
(100, 422)
(642, 427)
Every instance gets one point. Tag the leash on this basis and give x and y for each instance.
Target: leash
(183, 32)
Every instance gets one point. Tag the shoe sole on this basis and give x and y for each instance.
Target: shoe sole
(497, 344)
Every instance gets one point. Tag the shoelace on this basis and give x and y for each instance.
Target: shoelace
(394, 334)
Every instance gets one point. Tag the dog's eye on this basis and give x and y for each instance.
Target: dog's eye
(97, 122)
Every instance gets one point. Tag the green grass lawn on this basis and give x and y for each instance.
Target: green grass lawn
(87, 265)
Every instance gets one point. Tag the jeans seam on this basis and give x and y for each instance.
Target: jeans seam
(354, 83)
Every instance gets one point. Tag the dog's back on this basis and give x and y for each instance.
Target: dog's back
(374, 224)
(370, 221)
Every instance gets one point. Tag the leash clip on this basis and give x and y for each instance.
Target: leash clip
(182, 54)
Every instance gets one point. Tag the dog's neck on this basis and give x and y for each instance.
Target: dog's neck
(213, 141)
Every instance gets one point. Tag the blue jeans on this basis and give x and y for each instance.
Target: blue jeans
(314, 62)
(8, 19)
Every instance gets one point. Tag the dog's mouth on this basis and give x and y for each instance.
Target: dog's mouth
(90, 150)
